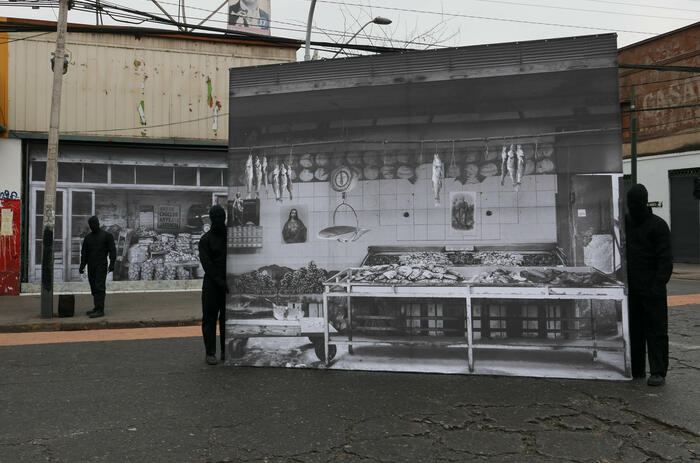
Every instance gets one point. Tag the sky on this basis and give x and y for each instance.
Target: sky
(435, 23)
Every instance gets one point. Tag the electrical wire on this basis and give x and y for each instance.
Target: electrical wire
(461, 15)
(667, 123)
(660, 81)
(662, 108)
(582, 9)
(643, 6)
(144, 127)
(26, 38)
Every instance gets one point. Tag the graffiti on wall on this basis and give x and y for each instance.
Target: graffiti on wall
(7, 194)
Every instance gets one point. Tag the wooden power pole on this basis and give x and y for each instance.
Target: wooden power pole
(52, 165)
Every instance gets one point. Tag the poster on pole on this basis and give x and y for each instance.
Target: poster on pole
(249, 16)
(420, 212)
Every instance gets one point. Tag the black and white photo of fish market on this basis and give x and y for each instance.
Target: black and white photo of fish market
(445, 211)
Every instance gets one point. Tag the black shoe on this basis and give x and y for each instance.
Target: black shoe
(90, 312)
(97, 314)
(656, 380)
(223, 358)
(211, 359)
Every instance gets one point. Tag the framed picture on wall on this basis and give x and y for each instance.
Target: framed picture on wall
(462, 211)
(293, 220)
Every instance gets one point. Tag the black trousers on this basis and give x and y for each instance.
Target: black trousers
(648, 317)
(97, 276)
(213, 308)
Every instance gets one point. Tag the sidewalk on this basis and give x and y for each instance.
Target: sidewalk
(125, 310)
(686, 271)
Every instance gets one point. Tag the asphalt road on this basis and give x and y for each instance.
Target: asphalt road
(155, 400)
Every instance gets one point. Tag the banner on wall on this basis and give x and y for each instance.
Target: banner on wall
(249, 16)
(428, 218)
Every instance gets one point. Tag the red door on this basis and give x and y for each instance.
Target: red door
(9, 246)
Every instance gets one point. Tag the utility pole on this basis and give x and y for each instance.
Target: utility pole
(52, 165)
(309, 22)
(633, 136)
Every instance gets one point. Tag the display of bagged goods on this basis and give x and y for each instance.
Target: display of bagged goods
(306, 175)
(148, 270)
(387, 172)
(322, 160)
(471, 156)
(170, 272)
(403, 157)
(159, 269)
(545, 151)
(137, 253)
(544, 166)
(405, 172)
(354, 158)
(134, 273)
(371, 158)
(453, 171)
(321, 174)
(143, 232)
(306, 161)
(488, 170)
(389, 159)
(370, 172)
(183, 273)
(492, 153)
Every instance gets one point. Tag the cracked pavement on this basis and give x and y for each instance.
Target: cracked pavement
(156, 400)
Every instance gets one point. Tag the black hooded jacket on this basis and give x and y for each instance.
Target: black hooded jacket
(97, 245)
(212, 248)
(649, 259)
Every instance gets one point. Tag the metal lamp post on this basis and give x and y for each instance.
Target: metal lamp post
(378, 20)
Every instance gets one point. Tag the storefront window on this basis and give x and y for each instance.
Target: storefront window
(154, 175)
(186, 176)
(38, 171)
(122, 174)
(95, 173)
(70, 172)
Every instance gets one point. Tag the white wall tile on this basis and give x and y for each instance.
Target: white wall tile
(527, 216)
(491, 184)
(527, 199)
(404, 233)
(321, 189)
(388, 186)
(436, 232)
(490, 199)
(528, 183)
(420, 216)
(404, 187)
(420, 232)
(546, 233)
(387, 202)
(546, 215)
(508, 215)
(437, 216)
(305, 190)
(546, 182)
(405, 217)
(370, 202)
(546, 198)
(508, 199)
(388, 217)
(369, 219)
(321, 203)
(404, 201)
(490, 231)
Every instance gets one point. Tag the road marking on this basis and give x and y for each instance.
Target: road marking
(683, 299)
(130, 334)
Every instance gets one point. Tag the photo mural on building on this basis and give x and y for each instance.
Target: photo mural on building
(249, 16)
(451, 211)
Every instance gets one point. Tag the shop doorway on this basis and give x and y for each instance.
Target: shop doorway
(76, 204)
(685, 216)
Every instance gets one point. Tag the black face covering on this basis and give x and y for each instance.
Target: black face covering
(217, 215)
(637, 199)
(94, 224)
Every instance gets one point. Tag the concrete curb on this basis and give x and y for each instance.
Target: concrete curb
(100, 325)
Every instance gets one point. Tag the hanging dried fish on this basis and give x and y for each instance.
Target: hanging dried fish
(290, 177)
(258, 175)
(276, 182)
(437, 178)
(504, 164)
(521, 166)
(264, 171)
(511, 164)
(284, 179)
(249, 175)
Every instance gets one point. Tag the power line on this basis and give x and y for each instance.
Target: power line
(662, 108)
(460, 15)
(643, 6)
(145, 127)
(660, 81)
(582, 9)
(26, 38)
(668, 123)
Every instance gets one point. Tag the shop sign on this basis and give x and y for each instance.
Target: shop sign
(168, 218)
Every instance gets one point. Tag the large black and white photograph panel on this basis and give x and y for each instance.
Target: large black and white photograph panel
(450, 211)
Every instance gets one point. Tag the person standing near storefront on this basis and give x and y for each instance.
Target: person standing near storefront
(212, 255)
(649, 268)
(97, 245)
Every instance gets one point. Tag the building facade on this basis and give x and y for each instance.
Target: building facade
(144, 127)
(668, 131)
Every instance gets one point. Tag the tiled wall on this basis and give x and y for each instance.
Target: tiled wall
(400, 213)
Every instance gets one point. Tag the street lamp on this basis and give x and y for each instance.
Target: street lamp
(378, 20)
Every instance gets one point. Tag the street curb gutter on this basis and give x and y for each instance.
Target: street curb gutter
(101, 325)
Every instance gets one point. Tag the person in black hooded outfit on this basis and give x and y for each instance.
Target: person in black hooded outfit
(97, 245)
(212, 255)
(649, 267)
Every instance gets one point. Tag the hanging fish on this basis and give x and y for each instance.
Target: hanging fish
(264, 172)
(249, 175)
(504, 168)
(276, 182)
(290, 176)
(258, 175)
(437, 177)
(511, 164)
(284, 179)
(521, 166)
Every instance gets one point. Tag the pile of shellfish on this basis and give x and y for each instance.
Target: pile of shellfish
(416, 273)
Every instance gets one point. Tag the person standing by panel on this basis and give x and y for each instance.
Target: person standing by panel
(97, 245)
(212, 255)
(649, 267)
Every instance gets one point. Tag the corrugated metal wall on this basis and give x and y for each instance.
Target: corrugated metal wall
(110, 74)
